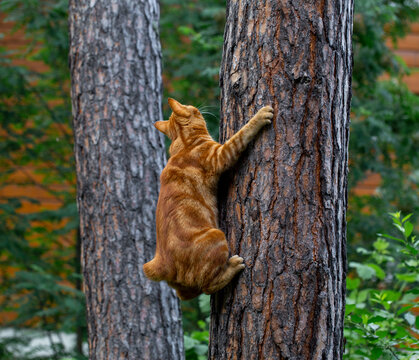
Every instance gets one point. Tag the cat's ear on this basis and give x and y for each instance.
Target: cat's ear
(179, 109)
(163, 126)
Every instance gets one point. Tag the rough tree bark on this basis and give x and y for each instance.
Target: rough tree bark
(115, 63)
(283, 207)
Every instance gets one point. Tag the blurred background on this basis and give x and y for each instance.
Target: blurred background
(42, 314)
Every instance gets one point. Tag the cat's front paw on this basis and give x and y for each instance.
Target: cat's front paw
(236, 261)
(265, 115)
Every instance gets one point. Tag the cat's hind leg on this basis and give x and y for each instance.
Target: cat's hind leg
(212, 269)
(235, 265)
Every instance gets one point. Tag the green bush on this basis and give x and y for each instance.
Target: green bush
(382, 290)
(196, 341)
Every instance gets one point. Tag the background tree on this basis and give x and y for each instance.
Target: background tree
(116, 96)
(283, 208)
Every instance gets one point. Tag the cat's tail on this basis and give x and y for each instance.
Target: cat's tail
(153, 270)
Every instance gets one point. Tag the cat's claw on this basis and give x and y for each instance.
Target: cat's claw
(237, 261)
(265, 115)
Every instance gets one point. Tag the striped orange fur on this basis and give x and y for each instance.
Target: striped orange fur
(191, 252)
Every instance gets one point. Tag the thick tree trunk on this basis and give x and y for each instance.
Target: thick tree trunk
(116, 93)
(283, 207)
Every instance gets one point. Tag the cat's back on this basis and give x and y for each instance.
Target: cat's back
(190, 167)
(187, 196)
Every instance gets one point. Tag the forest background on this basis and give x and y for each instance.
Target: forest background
(39, 245)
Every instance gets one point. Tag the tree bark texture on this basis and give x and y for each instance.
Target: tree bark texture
(283, 206)
(115, 60)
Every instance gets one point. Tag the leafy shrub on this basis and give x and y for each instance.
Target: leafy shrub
(196, 341)
(383, 296)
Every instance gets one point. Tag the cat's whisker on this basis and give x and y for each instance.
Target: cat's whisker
(201, 106)
(208, 113)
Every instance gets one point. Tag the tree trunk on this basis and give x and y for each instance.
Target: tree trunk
(115, 62)
(283, 207)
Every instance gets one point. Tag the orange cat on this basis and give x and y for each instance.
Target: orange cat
(191, 252)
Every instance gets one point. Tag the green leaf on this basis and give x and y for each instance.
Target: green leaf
(408, 228)
(400, 227)
(376, 353)
(186, 30)
(376, 319)
(381, 334)
(413, 263)
(400, 332)
(412, 250)
(356, 319)
(365, 272)
(189, 342)
(349, 308)
(365, 318)
(201, 336)
(410, 277)
(395, 216)
(201, 349)
(404, 309)
(352, 284)
(413, 291)
(381, 244)
(362, 295)
(392, 238)
(202, 325)
(410, 318)
(406, 217)
(363, 251)
(390, 295)
(379, 272)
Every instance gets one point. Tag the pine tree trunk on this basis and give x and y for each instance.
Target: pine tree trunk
(115, 63)
(283, 206)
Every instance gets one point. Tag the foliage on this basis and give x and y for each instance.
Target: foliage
(196, 341)
(374, 22)
(385, 119)
(382, 320)
(384, 140)
(39, 263)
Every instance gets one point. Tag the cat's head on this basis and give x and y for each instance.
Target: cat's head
(184, 119)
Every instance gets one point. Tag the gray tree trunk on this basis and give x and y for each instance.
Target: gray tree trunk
(283, 206)
(115, 63)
